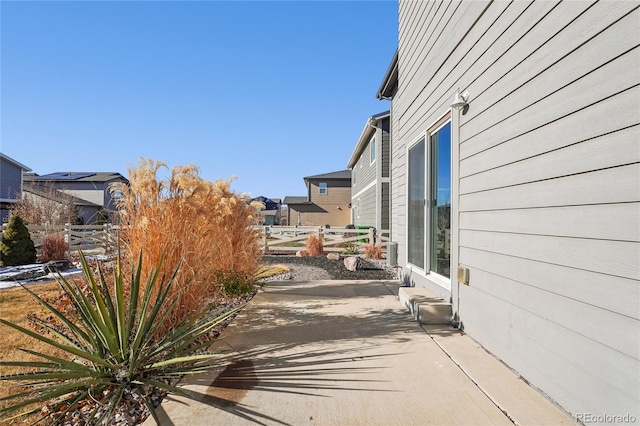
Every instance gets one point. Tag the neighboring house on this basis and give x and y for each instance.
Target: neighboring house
(369, 164)
(11, 181)
(87, 211)
(268, 217)
(270, 214)
(327, 201)
(532, 187)
(94, 187)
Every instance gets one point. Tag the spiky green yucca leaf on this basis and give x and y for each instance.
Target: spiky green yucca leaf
(114, 346)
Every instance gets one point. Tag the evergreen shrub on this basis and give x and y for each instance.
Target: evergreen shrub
(16, 247)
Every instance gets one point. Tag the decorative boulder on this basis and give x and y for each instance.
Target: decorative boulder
(352, 263)
(333, 256)
(56, 266)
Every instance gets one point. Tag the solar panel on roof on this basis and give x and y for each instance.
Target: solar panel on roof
(66, 176)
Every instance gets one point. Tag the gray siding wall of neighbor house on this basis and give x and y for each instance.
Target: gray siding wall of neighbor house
(11, 176)
(386, 199)
(364, 190)
(385, 148)
(546, 161)
(94, 195)
(95, 192)
(365, 205)
(365, 171)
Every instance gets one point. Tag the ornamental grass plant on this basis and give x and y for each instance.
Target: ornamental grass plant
(110, 350)
(54, 247)
(373, 251)
(203, 225)
(314, 245)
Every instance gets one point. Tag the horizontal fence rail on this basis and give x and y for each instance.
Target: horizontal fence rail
(274, 239)
(79, 237)
(288, 239)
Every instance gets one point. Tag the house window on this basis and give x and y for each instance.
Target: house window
(323, 188)
(429, 201)
(373, 150)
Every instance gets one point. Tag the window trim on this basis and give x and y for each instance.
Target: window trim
(420, 139)
(430, 197)
(373, 153)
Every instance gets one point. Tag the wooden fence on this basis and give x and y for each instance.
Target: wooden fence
(275, 239)
(79, 237)
(289, 239)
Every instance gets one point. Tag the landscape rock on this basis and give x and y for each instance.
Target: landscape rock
(299, 253)
(352, 263)
(333, 256)
(26, 275)
(56, 266)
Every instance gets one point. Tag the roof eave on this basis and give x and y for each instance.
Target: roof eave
(369, 127)
(365, 135)
(390, 81)
(15, 163)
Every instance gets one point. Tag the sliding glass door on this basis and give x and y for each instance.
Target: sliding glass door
(429, 201)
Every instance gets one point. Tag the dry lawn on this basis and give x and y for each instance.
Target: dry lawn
(15, 305)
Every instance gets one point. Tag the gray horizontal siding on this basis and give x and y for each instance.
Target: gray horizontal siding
(365, 171)
(386, 200)
(549, 167)
(11, 181)
(549, 196)
(365, 214)
(385, 148)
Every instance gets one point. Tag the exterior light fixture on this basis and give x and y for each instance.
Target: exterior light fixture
(460, 100)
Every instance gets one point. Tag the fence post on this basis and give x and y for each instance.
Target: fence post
(372, 236)
(107, 237)
(67, 233)
(265, 239)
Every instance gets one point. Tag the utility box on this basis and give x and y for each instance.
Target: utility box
(392, 253)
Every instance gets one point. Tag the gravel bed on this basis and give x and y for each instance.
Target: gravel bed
(322, 268)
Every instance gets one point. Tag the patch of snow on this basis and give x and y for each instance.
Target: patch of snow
(7, 272)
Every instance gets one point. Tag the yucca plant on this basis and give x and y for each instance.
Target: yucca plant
(114, 347)
(352, 248)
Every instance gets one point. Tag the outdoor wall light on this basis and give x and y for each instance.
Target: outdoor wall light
(460, 100)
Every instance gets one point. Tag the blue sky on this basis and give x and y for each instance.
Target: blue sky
(267, 91)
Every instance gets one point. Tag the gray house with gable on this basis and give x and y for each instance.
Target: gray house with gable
(370, 173)
(94, 187)
(11, 180)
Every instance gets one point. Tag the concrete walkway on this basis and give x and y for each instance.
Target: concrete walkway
(348, 353)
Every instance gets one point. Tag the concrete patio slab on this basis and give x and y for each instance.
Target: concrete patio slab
(334, 353)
